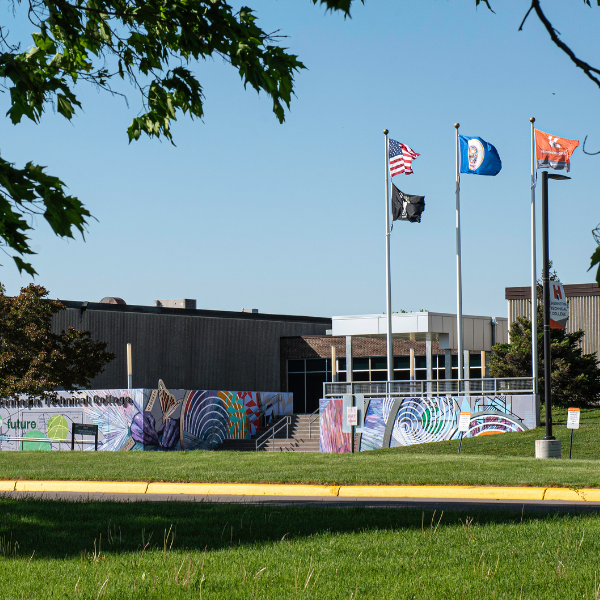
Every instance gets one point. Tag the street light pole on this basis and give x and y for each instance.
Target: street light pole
(548, 446)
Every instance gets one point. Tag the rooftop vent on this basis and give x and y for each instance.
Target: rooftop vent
(112, 300)
(250, 310)
(179, 303)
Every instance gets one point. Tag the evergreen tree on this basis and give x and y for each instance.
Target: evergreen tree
(575, 376)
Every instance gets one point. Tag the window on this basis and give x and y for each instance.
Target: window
(306, 376)
(401, 362)
(305, 379)
(374, 368)
(475, 366)
(378, 362)
(360, 364)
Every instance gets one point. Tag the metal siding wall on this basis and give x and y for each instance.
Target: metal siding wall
(519, 308)
(188, 352)
(584, 313)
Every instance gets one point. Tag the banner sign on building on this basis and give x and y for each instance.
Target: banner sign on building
(558, 306)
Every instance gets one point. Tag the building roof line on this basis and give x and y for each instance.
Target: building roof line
(572, 290)
(184, 312)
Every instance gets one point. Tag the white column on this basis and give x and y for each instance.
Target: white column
(349, 358)
(429, 361)
(448, 363)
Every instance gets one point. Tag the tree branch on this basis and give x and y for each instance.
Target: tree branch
(585, 151)
(590, 71)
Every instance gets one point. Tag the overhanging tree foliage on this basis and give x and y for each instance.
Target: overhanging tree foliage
(152, 44)
(33, 360)
(575, 376)
(149, 43)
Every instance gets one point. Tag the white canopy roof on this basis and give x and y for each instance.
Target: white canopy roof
(426, 325)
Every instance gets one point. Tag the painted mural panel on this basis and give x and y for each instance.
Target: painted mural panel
(331, 438)
(420, 420)
(140, 419)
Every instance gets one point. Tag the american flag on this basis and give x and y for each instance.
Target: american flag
(401, 157)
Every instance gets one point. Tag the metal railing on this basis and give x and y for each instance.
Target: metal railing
(432, 387)
(266, 406)
(311, 419)
(4, 438)
(270, 433)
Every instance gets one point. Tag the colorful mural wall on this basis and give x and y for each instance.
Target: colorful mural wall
(140, 419)
(393, 422)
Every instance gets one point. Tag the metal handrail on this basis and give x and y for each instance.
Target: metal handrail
(315, 415)
(433, 387)
(4, 438)
(267, 405)
(285, 422)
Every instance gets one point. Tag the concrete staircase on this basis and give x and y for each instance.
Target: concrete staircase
(298, 440)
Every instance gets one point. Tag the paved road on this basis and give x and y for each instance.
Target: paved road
(327, 501)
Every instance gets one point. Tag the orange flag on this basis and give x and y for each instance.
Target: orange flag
(553, 152)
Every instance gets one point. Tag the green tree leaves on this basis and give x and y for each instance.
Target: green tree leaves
(153, 45)
(596, 261)
(575, 376)
(33, 360)
(27, 192)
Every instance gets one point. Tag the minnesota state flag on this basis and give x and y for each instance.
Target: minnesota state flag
(478, 157)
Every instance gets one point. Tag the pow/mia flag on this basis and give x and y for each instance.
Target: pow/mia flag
(406, 207)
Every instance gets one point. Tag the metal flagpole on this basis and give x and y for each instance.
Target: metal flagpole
(459, 319)
(388, 282)
(534, 353)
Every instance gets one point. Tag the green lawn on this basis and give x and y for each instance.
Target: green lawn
(51, 549)
(490, 460)
(586, 439)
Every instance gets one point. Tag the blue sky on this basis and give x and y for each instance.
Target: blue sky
(245, 212)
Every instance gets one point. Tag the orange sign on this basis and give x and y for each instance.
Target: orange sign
(553, 152)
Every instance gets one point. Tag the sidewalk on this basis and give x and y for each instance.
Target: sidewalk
(306, 491)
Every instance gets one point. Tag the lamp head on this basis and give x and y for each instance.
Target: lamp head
(559, 177)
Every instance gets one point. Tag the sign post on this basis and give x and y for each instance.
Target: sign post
(572, 423)
(463, 426)
(84, 429)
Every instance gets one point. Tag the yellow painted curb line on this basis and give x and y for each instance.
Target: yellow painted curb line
(427, 491)
(100, 487)
(242, 489)
(583, 494)
(291, 490)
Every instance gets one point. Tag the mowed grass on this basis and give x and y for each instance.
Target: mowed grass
(586, 439)
(93, 550)
(505, 459)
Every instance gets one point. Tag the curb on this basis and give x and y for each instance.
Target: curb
(291, 490)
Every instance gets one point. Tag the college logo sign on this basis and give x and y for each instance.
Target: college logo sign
(559, 312)
(553, 152)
